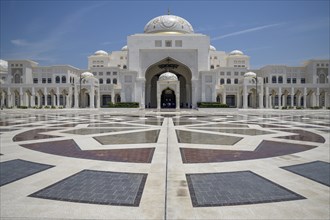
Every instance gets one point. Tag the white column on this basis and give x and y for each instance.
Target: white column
(113, 95)
(238, 99)
(98, 99)
(58, 96)
(21, 97)
(76, 97)
(284, 100)
(267, 97)
(158, 97)
(261, 98)
(279, 97)
(187, 95)
(292, 97)
(224, 96)
(177, 95)
(317, 96)
(91, 96)
(271, 101)
(305, 97)
(46, 96)
(9, 101)
(245, 97)
(325, 99)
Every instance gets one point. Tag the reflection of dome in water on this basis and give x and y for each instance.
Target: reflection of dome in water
(168, 76)
(169, 24)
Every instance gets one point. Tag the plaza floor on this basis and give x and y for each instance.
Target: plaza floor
(143, 164)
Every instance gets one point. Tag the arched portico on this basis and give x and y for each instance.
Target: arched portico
(184, 78)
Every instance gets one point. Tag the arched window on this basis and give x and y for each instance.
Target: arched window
(212, 66)
(63, 79)
(280, 79)
(274, 79)
(124, 67)
(17, 78)
(228, 81)
(222, 81)
(101, 81)
(322, 78)
(108, 81)
(236, 81)
(57, 79)
(114, 81)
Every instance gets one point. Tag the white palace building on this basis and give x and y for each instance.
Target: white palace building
(166, 66)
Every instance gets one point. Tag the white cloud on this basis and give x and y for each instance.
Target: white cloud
(20, 42)
(247, 31)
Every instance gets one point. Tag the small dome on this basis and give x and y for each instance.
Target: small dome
(168, 23)
(250, 74)
(236, 52)
(86, 75)
(101, 53)
(124, 48)
(168, 76)
(212, 48)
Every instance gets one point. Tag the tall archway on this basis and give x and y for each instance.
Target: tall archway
(179, 69)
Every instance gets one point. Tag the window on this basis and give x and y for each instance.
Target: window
(158, 43)
(57, 79)
(108, 73)
(222, 73)
(288, 80)
(228, 73)
(12, 64)
(178, 43)
(114, 81)
(100, 73)
(35, 80)
(222, 81)
(294, 80)
(168, 43)
(43, 80)
(101, 81)
(236, 81)
(303, 80)
(236, 73)
(280, 79)
(212, 67)
(228, 81)
(21, 65)
(108, 81)
(266, 79)
(274, 79)
(114, 73)
(124, 67)
(242, 73)
(49, 80)
(94, 73)
(63, 79)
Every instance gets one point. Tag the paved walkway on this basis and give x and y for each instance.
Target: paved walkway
(143, 164)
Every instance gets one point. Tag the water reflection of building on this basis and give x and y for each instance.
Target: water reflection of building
(168, 44)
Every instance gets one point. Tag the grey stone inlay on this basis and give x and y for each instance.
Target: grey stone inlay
(235, 188)
(204, 138)
(318, 171)
(251, 131)
(87, 131)
(13, 170)
(130, 138)
(97, 187)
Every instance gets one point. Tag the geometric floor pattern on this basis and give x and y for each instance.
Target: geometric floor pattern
(13, 170)
(187, 164)
(318, 171)
(235, 188)
(97, 187)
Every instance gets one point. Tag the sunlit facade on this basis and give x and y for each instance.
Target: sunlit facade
(166, 66)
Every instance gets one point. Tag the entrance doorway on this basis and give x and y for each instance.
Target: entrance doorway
(168, 99)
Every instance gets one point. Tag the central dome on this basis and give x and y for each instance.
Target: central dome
(168, 76)
(169, 24)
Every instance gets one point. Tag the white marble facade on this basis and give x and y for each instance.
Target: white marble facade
(168, 44)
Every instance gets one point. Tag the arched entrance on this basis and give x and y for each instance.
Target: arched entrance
(180, 70)
(168, 99)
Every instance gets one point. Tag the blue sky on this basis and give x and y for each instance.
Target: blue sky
(66, 32)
